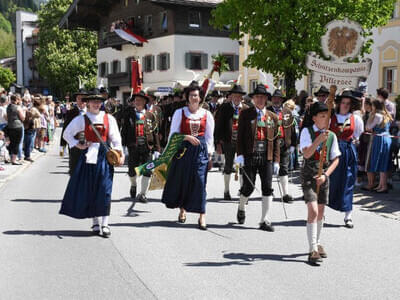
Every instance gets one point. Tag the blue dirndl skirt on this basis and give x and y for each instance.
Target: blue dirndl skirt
(187, 179)
(89, 189)
(343, 178)
(380, 154)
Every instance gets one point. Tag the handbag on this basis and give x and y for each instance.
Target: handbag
(113, 156)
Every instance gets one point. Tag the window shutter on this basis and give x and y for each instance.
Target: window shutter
(106, 72)
(168, 62)
(159, 62)
(204, 61)
(119, 66)
(187, 60)
(152, 62)
(235, 63)
(144, 64)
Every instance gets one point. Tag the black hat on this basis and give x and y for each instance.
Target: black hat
(236, 89)
(141, 94)
(215, 93)
(259, 90)
(347, 94)
(322, 90)
(318, 107)
(80, 92)
(278, 93)
(94, 95)
(104, 90)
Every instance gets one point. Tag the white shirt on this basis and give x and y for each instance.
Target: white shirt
(305, 141)
(358, 123)
(209, 133)
(78, 125)
(3, 114)
(376, 121)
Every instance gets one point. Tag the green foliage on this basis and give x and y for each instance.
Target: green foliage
(63, 55)
(7, 47)
(6, 77)
(5, 25)
(282, 32)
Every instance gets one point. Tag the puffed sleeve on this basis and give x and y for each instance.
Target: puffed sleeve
(176, 122)
(377, 120)
(113, 134)
(209, 133)
(305, 139)
(358, 127)
(335, 151)
(76, 125)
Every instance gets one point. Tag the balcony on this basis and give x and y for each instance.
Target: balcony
(111, 39)
(119, 79)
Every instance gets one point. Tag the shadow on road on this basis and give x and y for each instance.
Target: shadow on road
(175, 224)
(125, 199)
(243, 259)
(302, 223)
(58, 233)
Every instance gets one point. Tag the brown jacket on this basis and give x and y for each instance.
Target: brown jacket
(288, 126)
(223, 124)
(248, 130)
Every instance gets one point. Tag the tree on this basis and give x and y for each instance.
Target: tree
(5, 25)
(7, 48)
(282, 32)
(64, 55)
(6, 77)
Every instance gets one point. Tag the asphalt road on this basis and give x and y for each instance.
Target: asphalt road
(44, 255)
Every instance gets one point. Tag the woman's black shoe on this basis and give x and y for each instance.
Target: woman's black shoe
(96, 229)
(382, 192)
(202, 226)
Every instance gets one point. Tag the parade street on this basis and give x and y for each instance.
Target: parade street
(44, 255)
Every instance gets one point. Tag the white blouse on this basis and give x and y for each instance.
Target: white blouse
(78, 124)
(376, 121)
(209, 133)
(358, 123)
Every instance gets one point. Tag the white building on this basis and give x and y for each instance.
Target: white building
(26, 22)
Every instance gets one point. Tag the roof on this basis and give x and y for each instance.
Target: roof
(82, 14)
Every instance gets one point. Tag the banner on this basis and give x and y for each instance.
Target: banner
(318, 79)
(170, 150)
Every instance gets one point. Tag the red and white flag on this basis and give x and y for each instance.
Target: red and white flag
(136, 77)
(127, 35)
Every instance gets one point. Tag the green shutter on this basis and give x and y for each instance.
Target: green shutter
(168, 61)
(204, 61)
(235, 63)
(187, 60)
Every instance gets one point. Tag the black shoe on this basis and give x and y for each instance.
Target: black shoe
(382, 192)
(141, 198)
(267, 227)
(105, 231)
(288, 199)
(241, 216)
(348, 223)
(314, 258)
(133, 192)
(96, 229)
(28, 159)
(202, 226)
(227, 196)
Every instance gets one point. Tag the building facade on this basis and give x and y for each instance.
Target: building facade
(180, 46)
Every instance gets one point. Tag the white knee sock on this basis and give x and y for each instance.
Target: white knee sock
(95, 221)
(266, 203)
(104, 221)
(284, 184)
(348, 215)
(242, 202)
(320, 225)
(133, 181)
(312, 236)
(227, 181)
(145, 185)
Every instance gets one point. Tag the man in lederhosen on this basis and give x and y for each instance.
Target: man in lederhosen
(287, 140)
(226, 132)
(78, 109)
(155, 109)
(139, 136)
(322, 95)
(258, 152)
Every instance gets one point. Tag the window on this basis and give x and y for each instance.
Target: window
(196, 61)
(233, 62)
(194, 19)
(128, 65)
(116, 67)
(149, 25)
(163, 61)
(389, 79)
(103, 69)
(164, 21)
(253, 85)
(148, 63)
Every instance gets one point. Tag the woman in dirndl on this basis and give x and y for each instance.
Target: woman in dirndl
(88, 194)
(348, 127)
(187, 175)
(379, 158)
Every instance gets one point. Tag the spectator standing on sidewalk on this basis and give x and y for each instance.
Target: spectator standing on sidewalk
(32, 119)
(15, 117)
(3, 111)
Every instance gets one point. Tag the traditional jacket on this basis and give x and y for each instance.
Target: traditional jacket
(287, 129)
(248, 133)
(225, 122)
(130, 129)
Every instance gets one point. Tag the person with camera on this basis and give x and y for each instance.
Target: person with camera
(88, 194)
